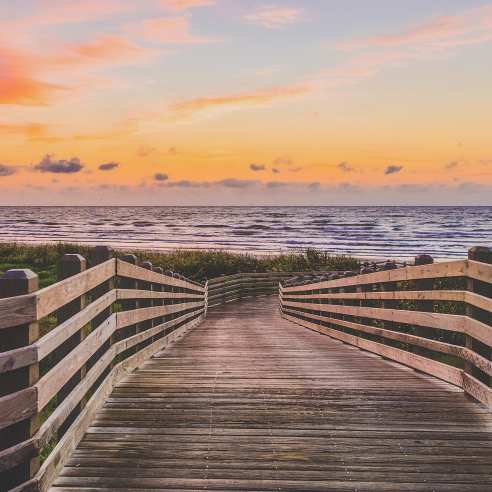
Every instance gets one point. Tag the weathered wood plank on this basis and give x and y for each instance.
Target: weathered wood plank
(58, 335)
(152, 294)
(56, 377)
(18, 310)
(126, 318)
(17, 406)
(434, 270)
(51, 467)
(480, 271)
(448, 322)
(442, 371)
(125, 269)
(57, 295)
(250, 401)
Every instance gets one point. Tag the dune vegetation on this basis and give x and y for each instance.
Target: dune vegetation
(196, 265)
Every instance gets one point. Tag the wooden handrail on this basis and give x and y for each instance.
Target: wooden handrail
(231, 288)
(128, 313)
(443, 332)
(63, 348)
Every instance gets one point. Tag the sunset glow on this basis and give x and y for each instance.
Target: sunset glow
(165, 102)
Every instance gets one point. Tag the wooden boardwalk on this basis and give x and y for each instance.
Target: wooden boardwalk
(249, 401)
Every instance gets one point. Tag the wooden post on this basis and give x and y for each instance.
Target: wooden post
(159, 302)
(147, 302)
(366, 269)
(427, 306)
(205, 295)
(16, 283)
(483, 255)
(101, 254)
(70, 265)
(388, 303)
(129, 304)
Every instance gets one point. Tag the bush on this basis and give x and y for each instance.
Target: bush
(196, 265)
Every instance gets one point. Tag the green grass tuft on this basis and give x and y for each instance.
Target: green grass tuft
(196, 265)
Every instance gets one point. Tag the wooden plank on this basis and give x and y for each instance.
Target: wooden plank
(445, 348)
(480, 271)
(58, 375)
(52, 424)
(447, 322)
(17, 455)
(472, 298)
(51, 467)
(17, 406)
(125, 269)
(477, 389)
(152, 294)
(250, 401)
(434, 270)
(54, 338)
(57, 295)
(17, 310)
(145, 335)
(127, 318)
(17, 358)
(442, 371)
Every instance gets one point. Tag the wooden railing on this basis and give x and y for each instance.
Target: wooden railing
(433, 317)
(230, 288)
(63, 348)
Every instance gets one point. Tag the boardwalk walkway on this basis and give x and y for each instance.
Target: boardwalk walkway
(249, 401)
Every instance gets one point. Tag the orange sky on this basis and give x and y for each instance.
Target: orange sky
(234, 102)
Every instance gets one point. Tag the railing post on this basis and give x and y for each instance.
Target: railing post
(205, 298)
(16, 283)
(424, 284)
(101, 254)
(129, 304)
(482, 254)
(70, 265)
(147, 302)
(158, 302)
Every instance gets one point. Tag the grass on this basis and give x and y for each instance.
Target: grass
(196, 265)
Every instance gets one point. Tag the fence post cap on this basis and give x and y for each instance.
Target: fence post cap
(73, 258)
(389, 265)
(100, 254)
(18, 281)
(129, 259)
(423, 260)
(480, 253)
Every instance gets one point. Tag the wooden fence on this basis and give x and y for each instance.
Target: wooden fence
(230, 288)
(63, 348)
(433, 317)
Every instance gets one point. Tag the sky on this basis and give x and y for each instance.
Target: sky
(245, 102)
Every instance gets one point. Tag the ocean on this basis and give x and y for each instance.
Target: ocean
(375, 232)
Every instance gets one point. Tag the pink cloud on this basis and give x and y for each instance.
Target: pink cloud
(273, 17)
(254, 98)
(21, 71)
(473, 26)
(421, 42)
(107, 49)
(180, 5)
(169, 30)
(60, 11)
(18, 82)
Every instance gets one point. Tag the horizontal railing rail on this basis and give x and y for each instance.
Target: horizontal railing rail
(433, 317)
(63, 348)
(230, 288)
